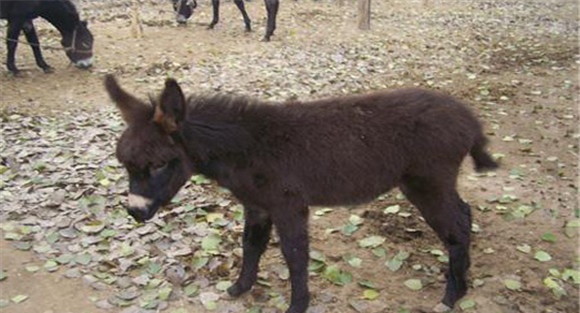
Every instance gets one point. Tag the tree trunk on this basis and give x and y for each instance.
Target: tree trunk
(364, 14)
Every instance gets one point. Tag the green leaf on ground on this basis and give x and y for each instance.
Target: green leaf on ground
(414, 284)
(371, 241)
(223, 285)
(211, 242)
(370, 294)
(467, 304)
(542, 256)
(549, 237)
(512, 284)
(19, 298)
(335, 275)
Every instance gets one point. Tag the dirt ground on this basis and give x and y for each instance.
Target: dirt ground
(521, 77)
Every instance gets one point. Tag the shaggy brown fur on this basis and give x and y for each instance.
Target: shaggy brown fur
(280, 158)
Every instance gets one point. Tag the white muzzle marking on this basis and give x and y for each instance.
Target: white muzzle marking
(137, 201)
(181, 19)
(86, 63)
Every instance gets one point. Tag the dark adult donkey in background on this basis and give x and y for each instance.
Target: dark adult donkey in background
(280, 158)
(184, 10)
(77, 40)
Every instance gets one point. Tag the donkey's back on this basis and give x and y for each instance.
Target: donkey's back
(351, 149)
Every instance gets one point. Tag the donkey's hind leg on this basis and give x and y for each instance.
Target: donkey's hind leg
(257, 229)
(12, 33)
(450, 218)
(291, 221)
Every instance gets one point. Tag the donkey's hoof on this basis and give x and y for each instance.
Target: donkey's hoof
(13, 70)
(266, 39)
(441, 308)
(48, 69)
(236, 290)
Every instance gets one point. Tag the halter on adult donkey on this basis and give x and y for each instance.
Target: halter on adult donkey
(184, 10)
(77, 40)
(280, 158)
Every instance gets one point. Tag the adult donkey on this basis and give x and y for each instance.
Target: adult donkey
(280, 158)
(184, 10)
(77, 40)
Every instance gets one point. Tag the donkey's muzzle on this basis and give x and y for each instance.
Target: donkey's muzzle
(181, 20)
(84, 64)
(139, 207)
(140, 215)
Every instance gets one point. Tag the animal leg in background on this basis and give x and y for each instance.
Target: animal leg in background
(12, 34)
(242, 8)
(215, 4)
(216, 13)
(272, 10)
(32, 38)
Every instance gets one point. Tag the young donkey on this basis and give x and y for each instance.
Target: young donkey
(280, 158)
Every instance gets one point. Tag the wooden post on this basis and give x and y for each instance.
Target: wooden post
(364, 14)
(136, 27)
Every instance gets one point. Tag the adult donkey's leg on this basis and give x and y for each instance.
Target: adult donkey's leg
(32, 39)
(12, 33)
(272, 9)
(242, 8)
(291, 221)
(216, 13)
(257, 229)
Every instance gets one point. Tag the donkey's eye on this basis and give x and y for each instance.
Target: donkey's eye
(154, 171)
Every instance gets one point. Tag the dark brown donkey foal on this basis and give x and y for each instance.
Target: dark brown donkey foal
(280, 158)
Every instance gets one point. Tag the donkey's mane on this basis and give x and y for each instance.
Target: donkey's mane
(216, 122)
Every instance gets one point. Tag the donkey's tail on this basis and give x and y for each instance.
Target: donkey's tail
(483, 161)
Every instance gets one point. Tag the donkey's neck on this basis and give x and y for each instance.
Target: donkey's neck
(61, 14)
(219, 127)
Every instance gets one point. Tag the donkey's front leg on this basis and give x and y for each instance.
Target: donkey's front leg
(257, 229)
(216, 13)
(32, 39)
(272, 10)
(292, 226)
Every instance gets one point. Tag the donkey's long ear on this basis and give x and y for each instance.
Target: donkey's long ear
(132, 109)
(170, 111)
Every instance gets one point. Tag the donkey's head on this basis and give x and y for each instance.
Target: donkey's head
(183, 9)
(78, 45)
(150, 148)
